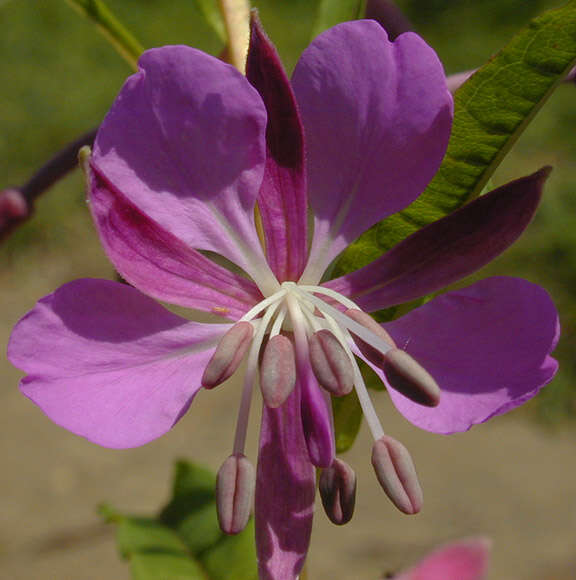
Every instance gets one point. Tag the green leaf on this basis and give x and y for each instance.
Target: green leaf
(209, 9)
(332, 12)
(185, 540)
(117, 34)
(492, 109)
(155, 551)
(238, 550)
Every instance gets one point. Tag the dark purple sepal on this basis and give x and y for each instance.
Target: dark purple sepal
(447, 250)
(389, 16)
(285, 489)
(282, 199)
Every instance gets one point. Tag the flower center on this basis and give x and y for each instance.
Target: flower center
(303, 328)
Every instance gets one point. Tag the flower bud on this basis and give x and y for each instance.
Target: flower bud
(234, 493)
(396, 473)
(338, 492)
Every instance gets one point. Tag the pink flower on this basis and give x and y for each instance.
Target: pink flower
(187, 151)
(461, 560)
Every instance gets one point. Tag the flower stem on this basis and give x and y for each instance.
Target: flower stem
(117, 34)
(236, 16)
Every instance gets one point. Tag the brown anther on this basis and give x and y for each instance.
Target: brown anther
(409, 378)
(338, 491)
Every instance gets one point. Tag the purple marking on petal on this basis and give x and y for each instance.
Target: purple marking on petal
(377, 117)
(285, 492)
(282, 199)
(156, 262)
(461, 560)
(488, 346)
(185, 143)
(108, 363)
(448, 249)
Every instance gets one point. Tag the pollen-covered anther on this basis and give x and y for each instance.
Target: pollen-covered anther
(375, 356)
(234, 493)
(409, 378)
(338, 491)
(331, 363)
(228, 355)
(277, 371)
(397, 475)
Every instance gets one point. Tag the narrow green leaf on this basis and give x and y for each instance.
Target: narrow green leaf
(117, 34)
(209, 9)
(332, 12)
(492, 109)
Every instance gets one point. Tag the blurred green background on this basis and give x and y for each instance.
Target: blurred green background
(58, 77)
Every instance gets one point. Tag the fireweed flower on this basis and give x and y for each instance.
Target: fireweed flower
(460, 560)
(187, 152)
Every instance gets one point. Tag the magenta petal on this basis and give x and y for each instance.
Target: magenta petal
(285, 490)
(157, 263)
(377, 117)
(108, 363)
(448, 249)
(282, 200)
(184, 142)
(488, 347)
(461, 560)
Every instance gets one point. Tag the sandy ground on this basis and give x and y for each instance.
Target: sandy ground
(508, 479)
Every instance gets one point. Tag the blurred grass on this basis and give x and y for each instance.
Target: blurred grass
(59, 76)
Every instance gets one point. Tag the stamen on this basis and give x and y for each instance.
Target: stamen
(345, 321)
(278, 322)
(410, 379)
(276, 297)
(338, 492)
(249, 378)
(234, 493)
(277, 371)
(331, 363)
(228, 355)
(331, 293)
(396, 473)
(375, 356)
